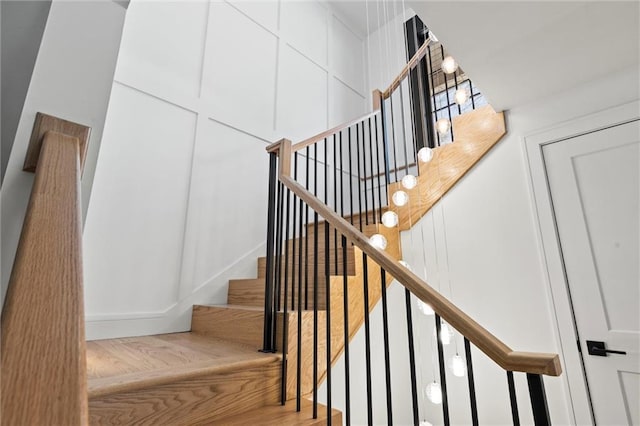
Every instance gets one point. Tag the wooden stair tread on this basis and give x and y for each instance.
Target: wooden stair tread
(284, 415)
(125, 364)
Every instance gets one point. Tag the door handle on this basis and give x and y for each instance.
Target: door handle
(599, 349)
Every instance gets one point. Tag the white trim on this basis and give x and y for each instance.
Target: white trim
(575, 382)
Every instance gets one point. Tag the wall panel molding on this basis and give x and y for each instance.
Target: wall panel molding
(285, 66)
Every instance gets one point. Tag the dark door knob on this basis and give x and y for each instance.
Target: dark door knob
(599, 349)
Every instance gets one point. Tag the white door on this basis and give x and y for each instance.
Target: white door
(594, 181)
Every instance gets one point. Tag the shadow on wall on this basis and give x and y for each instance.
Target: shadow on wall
(22, 24)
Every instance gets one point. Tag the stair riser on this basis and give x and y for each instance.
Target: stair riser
(251, 293)
(236, 325)
(350, 269)
(257, 300)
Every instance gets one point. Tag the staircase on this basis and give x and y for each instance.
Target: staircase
(260, 358)
(215, 372)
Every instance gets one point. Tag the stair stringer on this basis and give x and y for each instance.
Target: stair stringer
(475, 133)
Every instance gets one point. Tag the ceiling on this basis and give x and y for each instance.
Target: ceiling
(519, 51)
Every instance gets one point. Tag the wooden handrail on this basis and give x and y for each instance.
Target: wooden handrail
(505, 357)
(43, 342)
(413, 62)
(327, 133)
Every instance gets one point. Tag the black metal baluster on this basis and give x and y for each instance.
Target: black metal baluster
(432, 97)
(473, 102)
(359, 175)
(285, 323)
(341, 180)
(335, 204)
(446, 89)
(278, 253)
(512, 396)
(350, 180)
(345, 307)
(455, 79)
(306, 242)
(373, 190)
(443, 372)
(367, 338)
(278, 272)
(295, 236)
(414, 130)
(345, 300)
(385, 144)
(425, 101)
(327, 271)
(315, 287)
(375, 123)
(299, 343)
(412, 358)
(404, 131)
(294, 242)
(385, 334)
(393, 138)
(538, 400)
(267, 338)
(364, 176)
(472, 386)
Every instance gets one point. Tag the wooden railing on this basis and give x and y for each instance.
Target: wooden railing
(43, 341)
(494, 348)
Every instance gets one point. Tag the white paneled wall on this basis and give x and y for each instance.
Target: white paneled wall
(179, 202)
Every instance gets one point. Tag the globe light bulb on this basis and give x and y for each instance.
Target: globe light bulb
(443, 125)
(434, 392)
(405, 264)
(425, 154)
(425, 308)
(458, 366)
(378, 241)
(449, 65)
(409, 181)
(400, 198)
(461, 96)
(446, 333)
(390, 219)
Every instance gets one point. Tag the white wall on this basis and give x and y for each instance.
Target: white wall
(71, 79)
(201, 88)
(22, 28)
